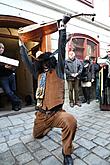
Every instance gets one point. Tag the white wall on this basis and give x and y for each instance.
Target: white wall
(101, 8)
(44, 11)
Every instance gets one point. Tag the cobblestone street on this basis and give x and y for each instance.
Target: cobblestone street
(92, 140)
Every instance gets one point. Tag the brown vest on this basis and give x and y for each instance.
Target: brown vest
(54, 91)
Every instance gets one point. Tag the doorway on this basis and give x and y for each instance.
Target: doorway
(9, 26)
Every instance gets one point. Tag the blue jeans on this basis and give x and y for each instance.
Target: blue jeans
(9, 86)
(97, 89)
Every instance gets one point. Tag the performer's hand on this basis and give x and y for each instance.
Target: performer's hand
(66, 18)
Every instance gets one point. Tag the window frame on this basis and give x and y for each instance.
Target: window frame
(83, 48)
(88, 2)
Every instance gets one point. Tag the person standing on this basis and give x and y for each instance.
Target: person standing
(50, 94)
(97, 68)
(8, 82)
(87, 77)
(73, 69)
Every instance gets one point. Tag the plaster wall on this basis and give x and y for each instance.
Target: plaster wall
(48, 10)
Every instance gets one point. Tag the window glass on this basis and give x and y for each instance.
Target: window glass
(78, 43)
(91, 48)
(84, 45)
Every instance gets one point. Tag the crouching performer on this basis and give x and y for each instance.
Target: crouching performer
(50, 95)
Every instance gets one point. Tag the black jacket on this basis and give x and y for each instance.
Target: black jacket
(72, 66)
(87, 71)
(97, 68)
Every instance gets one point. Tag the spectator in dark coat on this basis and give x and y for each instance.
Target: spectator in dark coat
(97, 68)
(87, 77)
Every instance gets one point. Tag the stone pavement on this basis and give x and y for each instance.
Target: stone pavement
(92, 140)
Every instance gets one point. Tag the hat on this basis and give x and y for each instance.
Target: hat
(38, 53)
(43, 56)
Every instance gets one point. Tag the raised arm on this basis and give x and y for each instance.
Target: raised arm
(26, 59)
(61, 46)
(61, 53)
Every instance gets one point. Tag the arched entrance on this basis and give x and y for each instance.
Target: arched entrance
(9, 37)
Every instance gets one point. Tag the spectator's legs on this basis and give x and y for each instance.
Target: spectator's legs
(97, 89)
(84, 94)
(12, 82)
(70, 88)
(76, 89)
(16, 102)
(88, 92)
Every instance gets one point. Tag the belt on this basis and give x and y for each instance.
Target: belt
(48, 112)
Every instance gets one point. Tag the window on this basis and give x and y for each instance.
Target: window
(91, 48)
(78, 43)
(87, 2)
(84, 45)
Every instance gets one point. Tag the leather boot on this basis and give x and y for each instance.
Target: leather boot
(71, 104)
(67, 159)
(88, 101)
(84, 101)
(16, 106)
(78, 104)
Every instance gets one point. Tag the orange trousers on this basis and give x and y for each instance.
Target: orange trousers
(61, 119)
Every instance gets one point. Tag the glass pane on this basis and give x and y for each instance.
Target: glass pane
(91, 48)
(78, 43)
(79, 54)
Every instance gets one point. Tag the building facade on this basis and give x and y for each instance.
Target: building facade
(90, 34)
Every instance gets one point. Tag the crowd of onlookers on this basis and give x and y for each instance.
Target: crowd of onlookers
(77, 72)
(83, 73)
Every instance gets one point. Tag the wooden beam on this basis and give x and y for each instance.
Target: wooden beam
(13, 21)
(8, 36)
